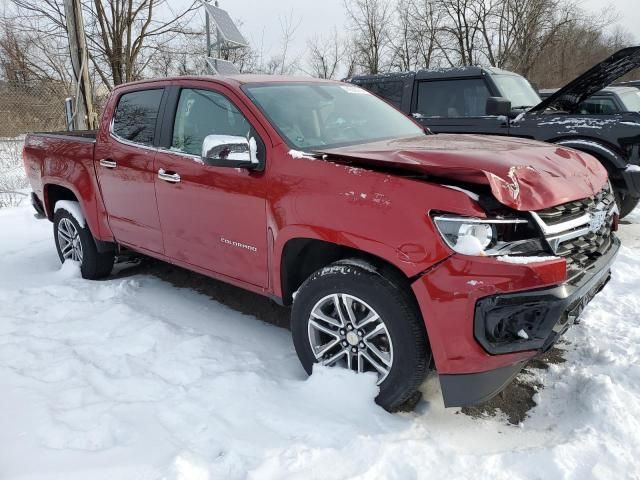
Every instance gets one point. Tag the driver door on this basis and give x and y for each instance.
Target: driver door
(212, 217)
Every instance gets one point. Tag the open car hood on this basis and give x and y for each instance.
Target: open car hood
(522, 174)
(595, 79)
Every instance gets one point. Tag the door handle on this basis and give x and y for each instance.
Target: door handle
(168, 177)
(108, 163)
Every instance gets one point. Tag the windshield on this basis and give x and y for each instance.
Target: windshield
(315, 115)
(517, 90)
(631, 101)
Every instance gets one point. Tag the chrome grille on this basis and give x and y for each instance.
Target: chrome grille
(572, 210)
(579, 231)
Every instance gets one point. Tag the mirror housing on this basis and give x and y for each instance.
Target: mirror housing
(498, 106)
(230, 151)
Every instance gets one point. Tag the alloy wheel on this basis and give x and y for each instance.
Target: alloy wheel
(344, 330)
(69, 240)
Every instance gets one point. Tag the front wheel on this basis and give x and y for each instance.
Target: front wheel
(350, 317)
(76, 243)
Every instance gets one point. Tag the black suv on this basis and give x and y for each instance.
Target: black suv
(497, 102)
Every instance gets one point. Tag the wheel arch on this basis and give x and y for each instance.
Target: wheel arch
(301, 256)
(609, 155)
(55, 192)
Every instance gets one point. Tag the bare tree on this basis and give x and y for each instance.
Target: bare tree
(28, 55)
(371, 22)
(577, 46)
(324, 55)
(403, 40)
(123, 34)
(281, 64)
(417, 34)
(123, 28)
(350, 58)
(463, 26)
(427, 21)
(526, 28)
(14, 56)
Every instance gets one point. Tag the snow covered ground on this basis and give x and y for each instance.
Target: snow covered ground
(133, 378)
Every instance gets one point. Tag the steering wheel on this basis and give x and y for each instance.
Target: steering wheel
(337, 129)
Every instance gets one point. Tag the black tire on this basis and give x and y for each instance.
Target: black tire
(398, 310)
(94, 265)
(626, 203)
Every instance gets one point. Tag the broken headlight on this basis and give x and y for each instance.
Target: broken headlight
(488, 236)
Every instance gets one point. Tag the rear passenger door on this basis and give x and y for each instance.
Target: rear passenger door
(125, 170)
(456, 106)
(396, 92)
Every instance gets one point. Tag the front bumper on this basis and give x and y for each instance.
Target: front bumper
(476, 347)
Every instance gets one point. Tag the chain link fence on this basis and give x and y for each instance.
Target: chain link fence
(28, 106)
(25, 106)
(31, 106)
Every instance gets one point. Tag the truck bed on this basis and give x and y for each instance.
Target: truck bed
(62, 159)
(75, 135)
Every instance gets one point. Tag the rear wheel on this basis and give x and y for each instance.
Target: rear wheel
(347, 316)
(76, 243)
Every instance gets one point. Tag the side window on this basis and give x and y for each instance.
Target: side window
(598, 106)
(201, 113)
(136, 115)
(453, 98)
(391, 91)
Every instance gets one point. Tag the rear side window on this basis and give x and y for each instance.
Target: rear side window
(390, 91)
(453, 98)
(136, 115)
(598, 106)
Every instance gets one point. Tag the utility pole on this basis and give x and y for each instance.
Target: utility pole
(83, 117)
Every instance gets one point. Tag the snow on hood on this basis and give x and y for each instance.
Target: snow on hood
(595, 79)
(523, 174)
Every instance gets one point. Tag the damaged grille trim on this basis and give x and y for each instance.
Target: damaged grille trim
(549, 230)
(579, 231)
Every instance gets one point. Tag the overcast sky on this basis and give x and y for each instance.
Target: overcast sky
(261, 23)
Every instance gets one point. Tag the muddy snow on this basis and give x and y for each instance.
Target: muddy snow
(135, 378)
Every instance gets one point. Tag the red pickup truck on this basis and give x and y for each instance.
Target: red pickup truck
(399, 250)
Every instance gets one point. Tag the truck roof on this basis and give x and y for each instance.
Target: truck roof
(473, 71)
(234, 80)
(613, 90)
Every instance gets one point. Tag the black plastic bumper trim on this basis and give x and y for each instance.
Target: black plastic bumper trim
(472, 388)
(556, 307)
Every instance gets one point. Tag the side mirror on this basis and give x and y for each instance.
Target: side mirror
(497, 106)
(230, 151)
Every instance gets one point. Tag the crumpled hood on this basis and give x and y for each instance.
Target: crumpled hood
(523, 174)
